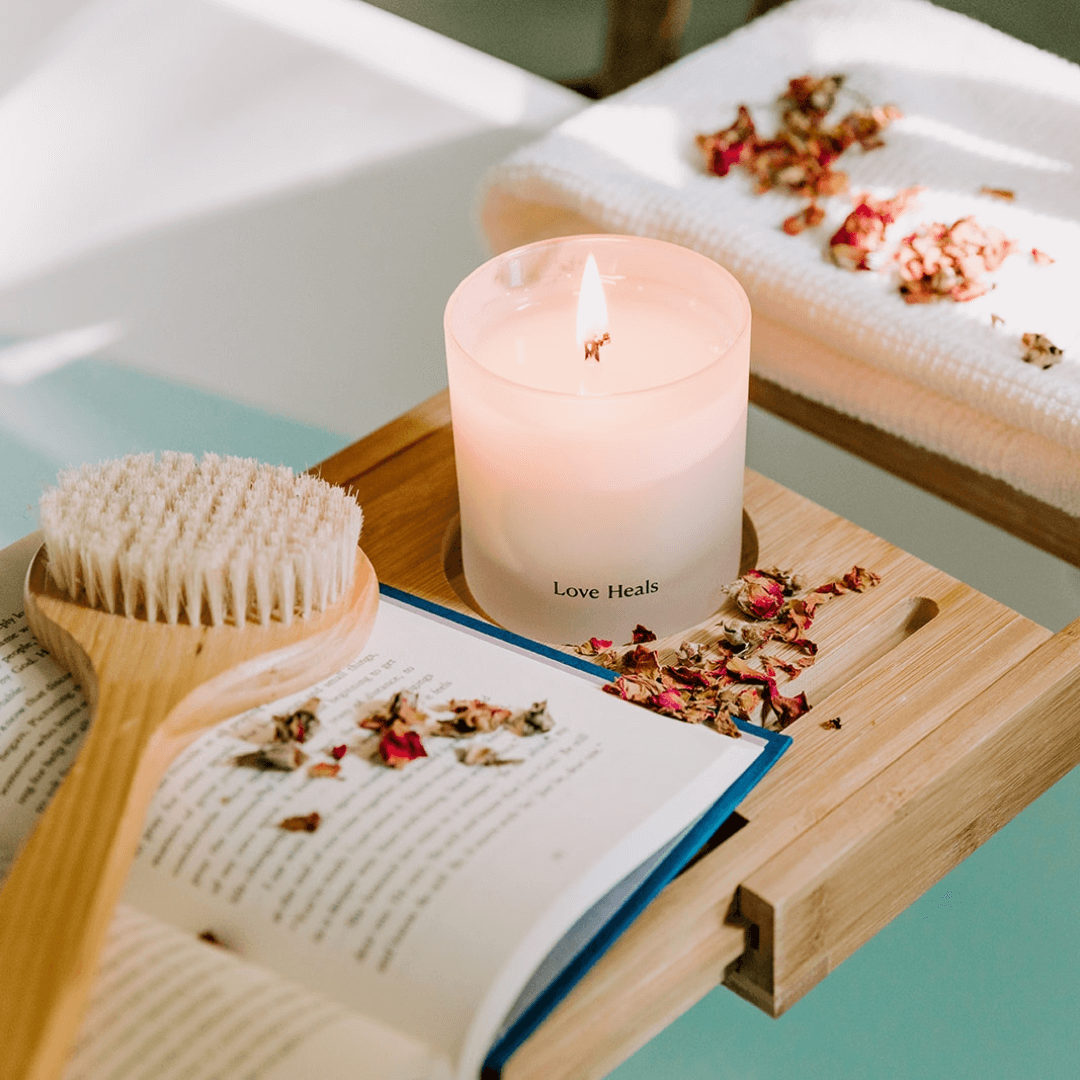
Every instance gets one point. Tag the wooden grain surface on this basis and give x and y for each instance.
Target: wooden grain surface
(1046, 527)
(827, 852)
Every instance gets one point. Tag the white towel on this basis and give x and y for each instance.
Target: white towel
(980, 109)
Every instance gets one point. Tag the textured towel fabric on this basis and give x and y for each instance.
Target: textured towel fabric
(980, 109)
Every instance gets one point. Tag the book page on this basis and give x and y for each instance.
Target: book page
(428, 895)
(43, 714)
(166, 1006)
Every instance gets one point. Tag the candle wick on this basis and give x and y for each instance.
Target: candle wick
(592, 346)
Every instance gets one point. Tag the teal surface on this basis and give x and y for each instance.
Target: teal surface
(94, 409)
(979, 978)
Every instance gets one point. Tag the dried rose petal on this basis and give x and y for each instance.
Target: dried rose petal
(864, 229)
(1005, 194)
(534, 720)
(641, 661)
(323, 768)
(641, 635)
(807, 218)
(593, 647)
(338, 752)
(301, 823)
(791, 581)
(632, 688)
(727, 147)
(725, 725)
(282, 756)
(400, 745)
(940, 262)
(758, 595)
(299, 725)
(801, 610)
(859, 579)
(788, 709)
(691, 678)
(742, 635)
(470, 716)
(800, 156)
(401, 708)
(740, 671)
(1041, 351)
(813, 96)
(742, 701)
(669, 701)
(790, 668)
(485, 755)
(1041, 258)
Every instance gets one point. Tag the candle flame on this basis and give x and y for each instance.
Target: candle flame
(592, 317)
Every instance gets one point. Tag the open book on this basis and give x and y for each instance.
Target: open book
(438, 912)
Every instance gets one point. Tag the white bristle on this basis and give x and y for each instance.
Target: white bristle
(223, 539)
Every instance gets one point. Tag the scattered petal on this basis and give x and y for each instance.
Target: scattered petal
(1005, 194)
(800, 157)
(667, 701)
(532, 721)
(324, 768)
(1041, 351)
(282, 756)
(471, 716)
(485, 755)
(790, 581)
(641, 661)
(947, 262)
(1041, 258)
(743, 635)
(338, 752)
(299, 725)
(401, 708)
(807, 218)
(642, 635)
(593, 647)
(864, 229)
(788, 709)
(301, 823)
(757, 594)
(399, 745)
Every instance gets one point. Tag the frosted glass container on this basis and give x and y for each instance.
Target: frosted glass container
(596, 496)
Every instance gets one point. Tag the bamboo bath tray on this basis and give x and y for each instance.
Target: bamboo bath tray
(956, 712)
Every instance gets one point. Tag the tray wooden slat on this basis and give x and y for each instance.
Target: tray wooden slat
(1045, 526)
(936, 686)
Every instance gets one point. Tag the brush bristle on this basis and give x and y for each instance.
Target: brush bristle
(223, 539)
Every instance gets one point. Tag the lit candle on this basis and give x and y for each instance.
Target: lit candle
(598, 388)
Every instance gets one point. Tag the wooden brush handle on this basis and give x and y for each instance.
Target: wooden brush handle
(56, 906)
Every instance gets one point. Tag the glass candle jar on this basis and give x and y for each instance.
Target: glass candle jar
(600, 453)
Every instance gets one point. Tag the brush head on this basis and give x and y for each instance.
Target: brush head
(224, 539)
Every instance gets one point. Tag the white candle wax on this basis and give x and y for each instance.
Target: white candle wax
(596, 495)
